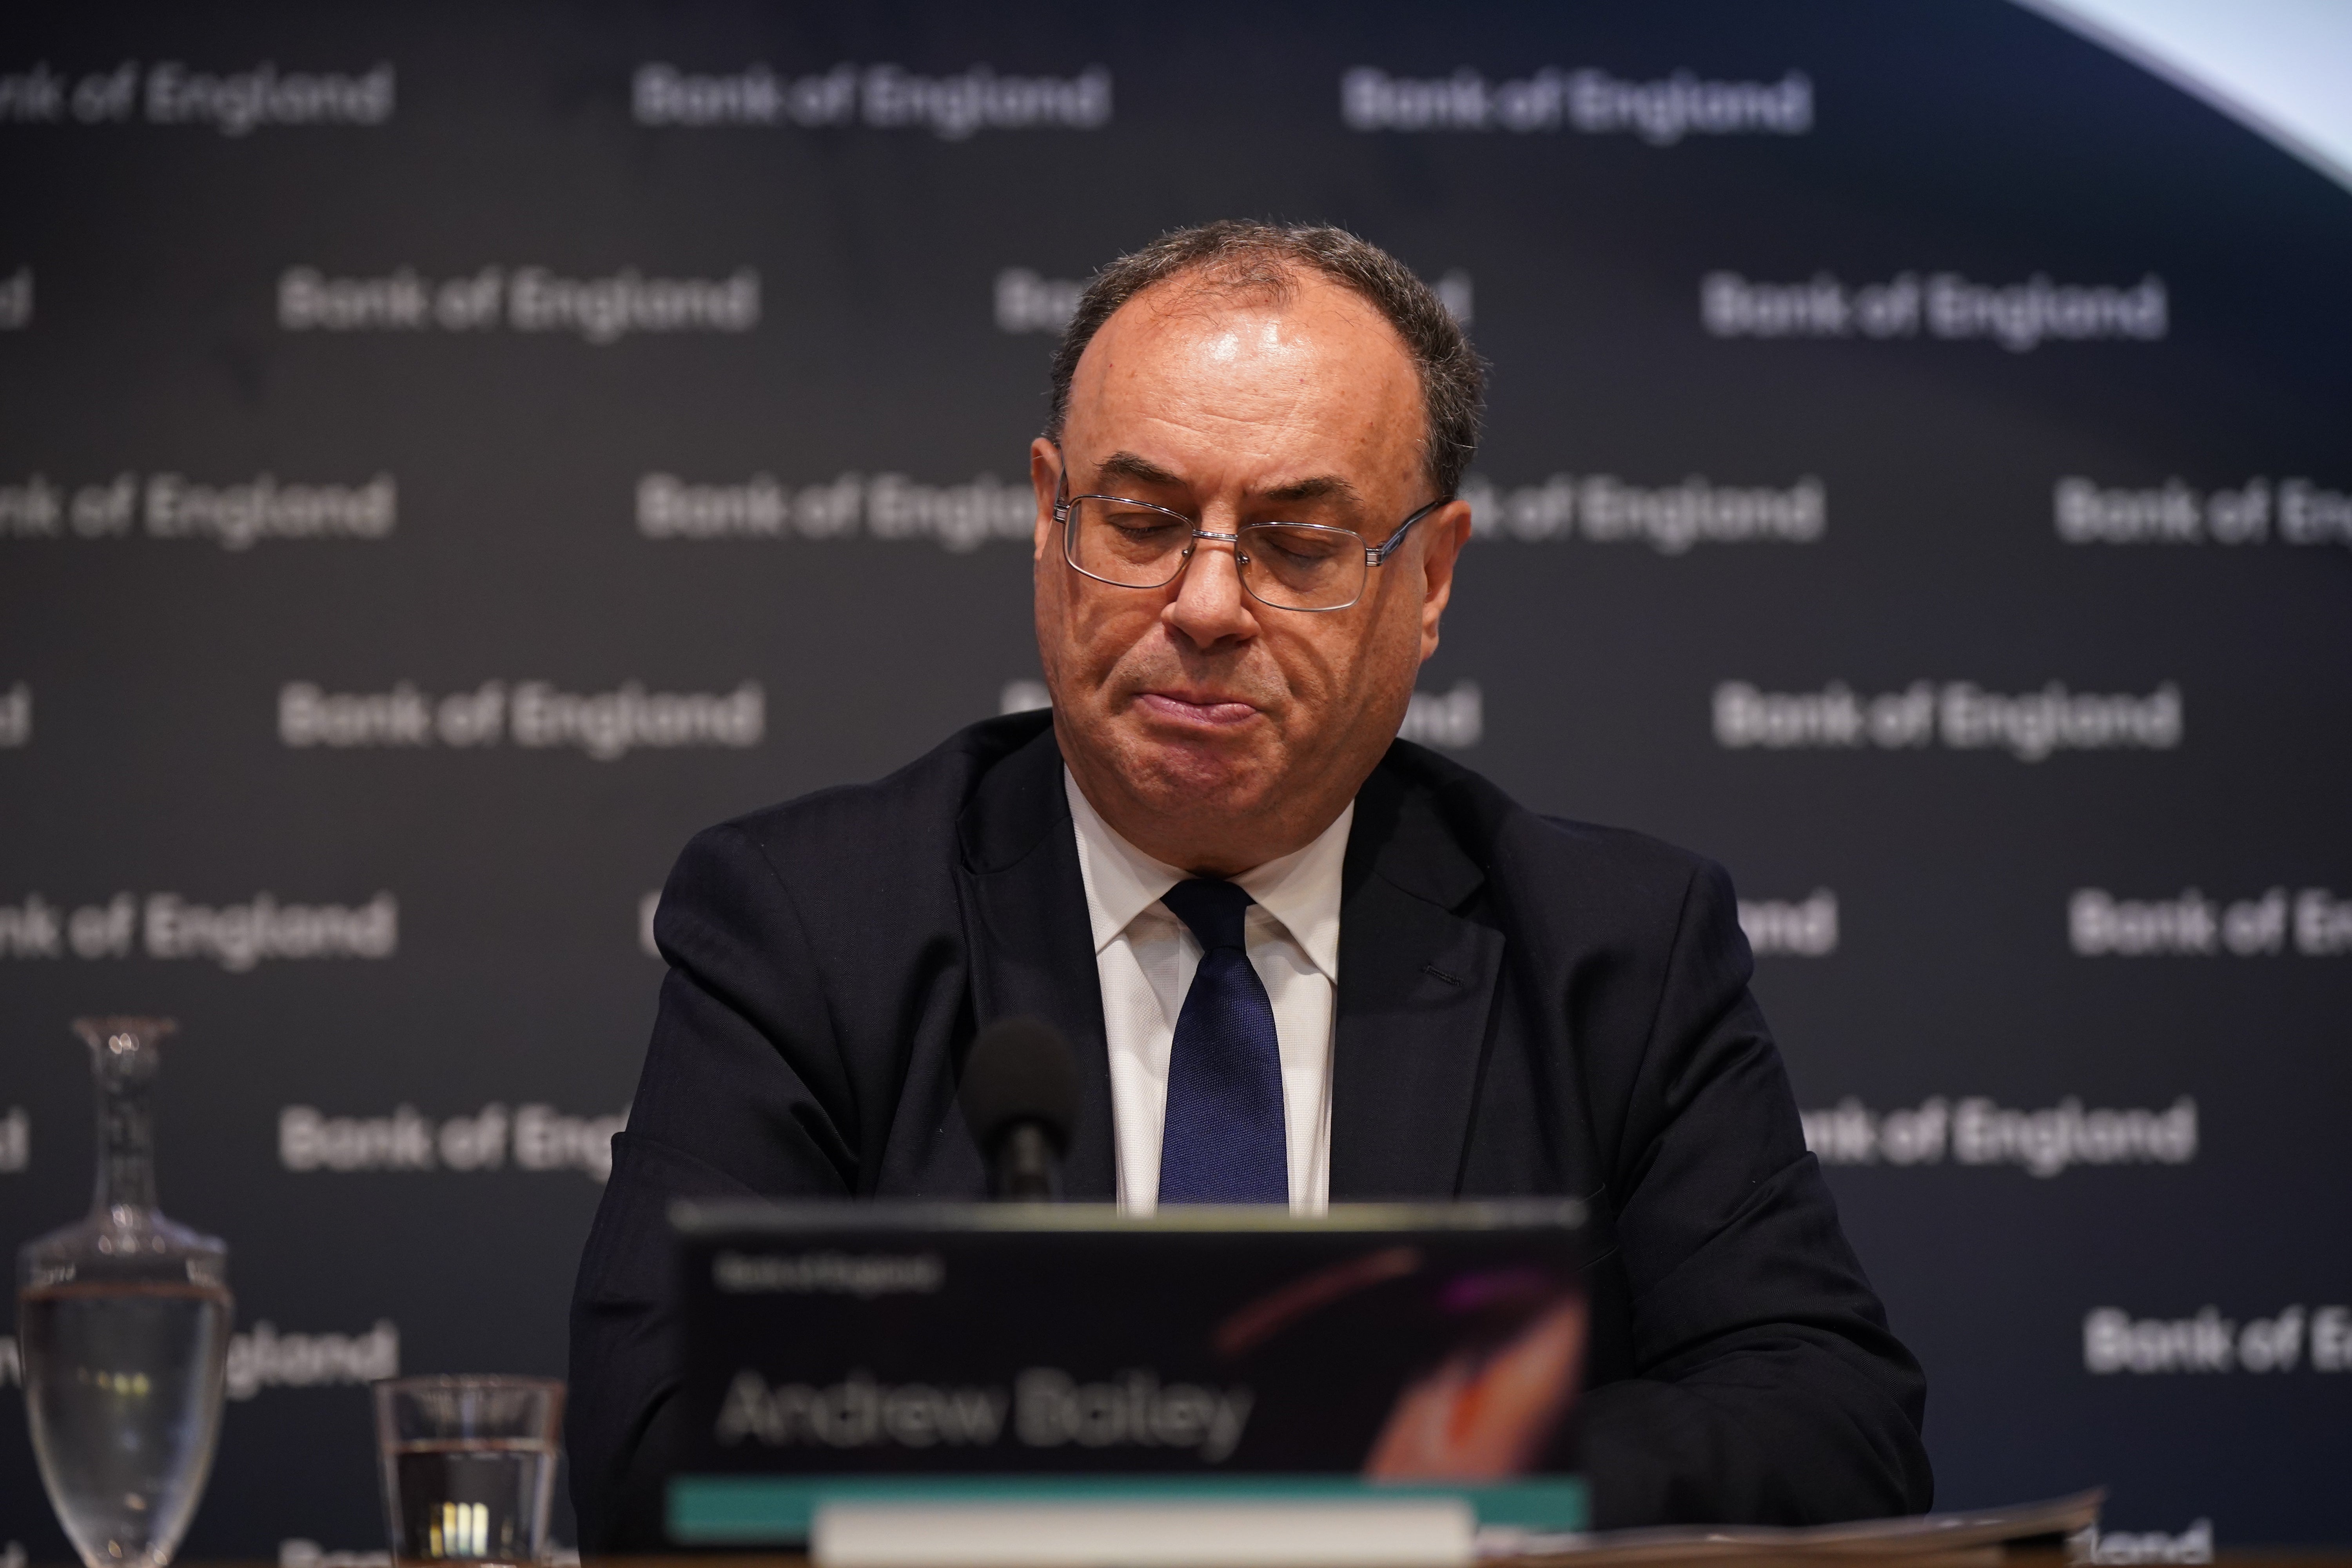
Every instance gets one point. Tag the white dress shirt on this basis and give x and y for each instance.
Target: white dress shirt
(1146, 956)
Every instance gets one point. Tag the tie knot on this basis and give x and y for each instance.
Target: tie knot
(1212, 909)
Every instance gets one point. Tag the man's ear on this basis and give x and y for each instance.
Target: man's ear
(1449, 530)
(1045, 478)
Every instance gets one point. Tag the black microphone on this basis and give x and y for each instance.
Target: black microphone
(1020, 1096)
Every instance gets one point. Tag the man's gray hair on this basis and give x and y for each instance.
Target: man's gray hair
(1265, 260)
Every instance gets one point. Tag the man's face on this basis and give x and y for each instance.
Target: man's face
(1213, 731)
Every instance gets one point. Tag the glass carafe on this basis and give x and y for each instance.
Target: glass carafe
(123, 1323)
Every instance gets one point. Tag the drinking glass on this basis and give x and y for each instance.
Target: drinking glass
(122, 1321)
(468, 1467)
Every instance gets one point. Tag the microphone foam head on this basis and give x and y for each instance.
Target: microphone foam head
(1020, 1069)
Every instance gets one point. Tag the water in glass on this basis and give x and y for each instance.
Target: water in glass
(468, 1467)
(122, 1388)
(471, 1499)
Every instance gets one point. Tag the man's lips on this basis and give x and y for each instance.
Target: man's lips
(1199, 708)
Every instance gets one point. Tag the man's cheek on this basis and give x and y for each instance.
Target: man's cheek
(1113, 648)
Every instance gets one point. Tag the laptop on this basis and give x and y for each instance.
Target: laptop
(855, 1367)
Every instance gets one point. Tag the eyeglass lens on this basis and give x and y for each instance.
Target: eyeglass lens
(1293, 564)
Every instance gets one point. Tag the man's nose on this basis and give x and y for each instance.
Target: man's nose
(1211, 604)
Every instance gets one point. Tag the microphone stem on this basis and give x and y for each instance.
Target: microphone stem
(1026, 1169)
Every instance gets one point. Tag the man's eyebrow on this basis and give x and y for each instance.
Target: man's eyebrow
(1141, 471)
(1322, 487)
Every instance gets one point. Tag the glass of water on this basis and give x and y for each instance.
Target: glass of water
(468, 1467)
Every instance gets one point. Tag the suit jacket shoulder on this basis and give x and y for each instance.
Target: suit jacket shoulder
(907, 820)
(1623, 874)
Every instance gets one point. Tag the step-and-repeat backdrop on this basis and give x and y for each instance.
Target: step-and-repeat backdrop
(448, 454)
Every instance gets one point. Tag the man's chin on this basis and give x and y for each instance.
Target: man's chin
(1179, 765)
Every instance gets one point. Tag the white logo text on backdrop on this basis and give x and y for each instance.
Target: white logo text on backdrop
(532, 714)
(1806, 928)
(2115, 1342)
(1660, 112)
(1976, 1131)
(599, 310)
(1961, 716)
(169, 926)
(884, 97)
(237, 515)
(534, 1137)
(1604, 509)
(2018, 316)
(2173, 513)
(262, 1358)
(235, 104)
(2312, 922)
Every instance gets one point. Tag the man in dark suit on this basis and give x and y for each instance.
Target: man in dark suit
(1299, 961)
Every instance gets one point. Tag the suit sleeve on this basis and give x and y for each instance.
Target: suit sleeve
(1767, 1386)
(743, 1094)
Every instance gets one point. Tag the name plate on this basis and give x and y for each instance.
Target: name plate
(866, 1363)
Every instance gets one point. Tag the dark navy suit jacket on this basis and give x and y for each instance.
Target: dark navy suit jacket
(1526, 1007)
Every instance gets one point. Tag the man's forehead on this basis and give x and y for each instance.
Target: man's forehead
(1312, 365)
(1299, 307)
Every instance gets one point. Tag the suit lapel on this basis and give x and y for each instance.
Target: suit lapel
(1032, 945)
(1416, 986)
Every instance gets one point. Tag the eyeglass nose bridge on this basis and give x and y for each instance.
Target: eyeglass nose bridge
(1240, 558)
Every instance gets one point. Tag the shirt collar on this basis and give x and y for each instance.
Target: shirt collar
(1300, 889)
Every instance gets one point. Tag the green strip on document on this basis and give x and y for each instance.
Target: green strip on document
(754, 1511)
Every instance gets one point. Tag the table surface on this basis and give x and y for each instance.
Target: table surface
(2036, 1557)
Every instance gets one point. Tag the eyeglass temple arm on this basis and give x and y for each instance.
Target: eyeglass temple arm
(1378, 554)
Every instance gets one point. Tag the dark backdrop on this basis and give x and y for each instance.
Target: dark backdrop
(447, 455)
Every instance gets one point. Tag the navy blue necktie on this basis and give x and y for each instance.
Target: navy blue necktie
(1223, 1140)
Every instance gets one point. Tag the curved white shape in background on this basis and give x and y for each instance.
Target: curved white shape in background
(2281, 67)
